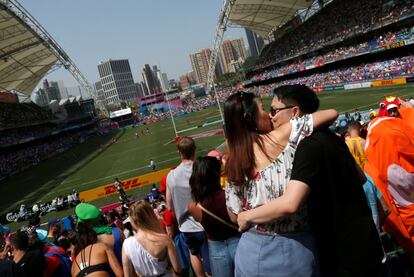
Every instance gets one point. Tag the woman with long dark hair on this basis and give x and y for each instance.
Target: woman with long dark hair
(93, 257)
(210, 210)
(258, 169)
(150, 251)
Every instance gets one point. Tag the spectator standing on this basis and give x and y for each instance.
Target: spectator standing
(210, 210)
(92, 256)
(356, 144)
(347, 239)
(258, 170)
(178, 197)
(149, 251)
(111, 236)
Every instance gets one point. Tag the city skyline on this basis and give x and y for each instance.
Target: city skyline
(144, 32)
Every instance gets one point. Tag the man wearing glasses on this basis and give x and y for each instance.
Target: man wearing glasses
(326, 179)
(290, 101)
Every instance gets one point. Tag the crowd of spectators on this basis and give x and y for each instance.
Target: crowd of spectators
(147, 237)
(189, 105)
(28, 156)
(340, 53)
(21, 114)
(16, 136)
(396, 67)
(336, 22)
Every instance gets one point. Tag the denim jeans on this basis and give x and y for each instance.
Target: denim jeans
(222, 256)
(262, 255)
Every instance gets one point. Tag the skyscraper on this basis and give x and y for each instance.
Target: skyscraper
(62, 89)
(52, 90)
(164, 82)
(150, 80)
(40, 98)
(117, 82)
(239, 49)
(255, 42)
(200, 64)
(141, 89)
(231, 51)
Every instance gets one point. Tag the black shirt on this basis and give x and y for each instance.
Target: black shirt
(33, 263)
(339, 215)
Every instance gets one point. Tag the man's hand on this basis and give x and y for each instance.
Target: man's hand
(243, 221)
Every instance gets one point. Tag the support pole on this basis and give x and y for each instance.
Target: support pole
(218, 39)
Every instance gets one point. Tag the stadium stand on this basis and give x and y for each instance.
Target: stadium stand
(338, 21)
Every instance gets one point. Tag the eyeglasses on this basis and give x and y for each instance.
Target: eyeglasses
(274, 111)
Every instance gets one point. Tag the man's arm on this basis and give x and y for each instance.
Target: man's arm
(305, 169)
(169, 200)
(287, 204)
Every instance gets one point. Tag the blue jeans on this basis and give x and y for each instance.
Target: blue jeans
(262, 255)
(222, 256)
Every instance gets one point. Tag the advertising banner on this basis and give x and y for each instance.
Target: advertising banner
(378, 49)
(103, 191)
(396, 44)
(366, 84)
(409, 41)
(353, 86)
(399, 81)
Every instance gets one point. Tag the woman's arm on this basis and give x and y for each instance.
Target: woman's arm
(287, 204)
(113, 262)
(172, 254)
(324, 118)
(129, 270)
(195, 211)
(233, 216)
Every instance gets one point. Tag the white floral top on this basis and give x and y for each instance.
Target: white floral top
(271, 182)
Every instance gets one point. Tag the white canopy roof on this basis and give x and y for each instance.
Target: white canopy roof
(261, 16)
(24, 57)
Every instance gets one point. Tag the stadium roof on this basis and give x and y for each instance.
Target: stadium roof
(24, 56)
(262, 16)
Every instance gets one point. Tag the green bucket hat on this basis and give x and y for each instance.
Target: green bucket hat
(91, 214)
(87, 212)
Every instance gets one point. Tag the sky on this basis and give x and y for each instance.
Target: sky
(157, 32)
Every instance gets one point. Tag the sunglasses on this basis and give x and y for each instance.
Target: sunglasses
(274, 111)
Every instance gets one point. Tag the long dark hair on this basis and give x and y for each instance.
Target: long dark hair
(205, 178)
(241, 120)
(86, 236)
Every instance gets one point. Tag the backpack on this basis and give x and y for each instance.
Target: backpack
(65, 265)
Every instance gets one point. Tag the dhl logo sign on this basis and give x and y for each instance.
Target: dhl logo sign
(135, 182)
(398, 81)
